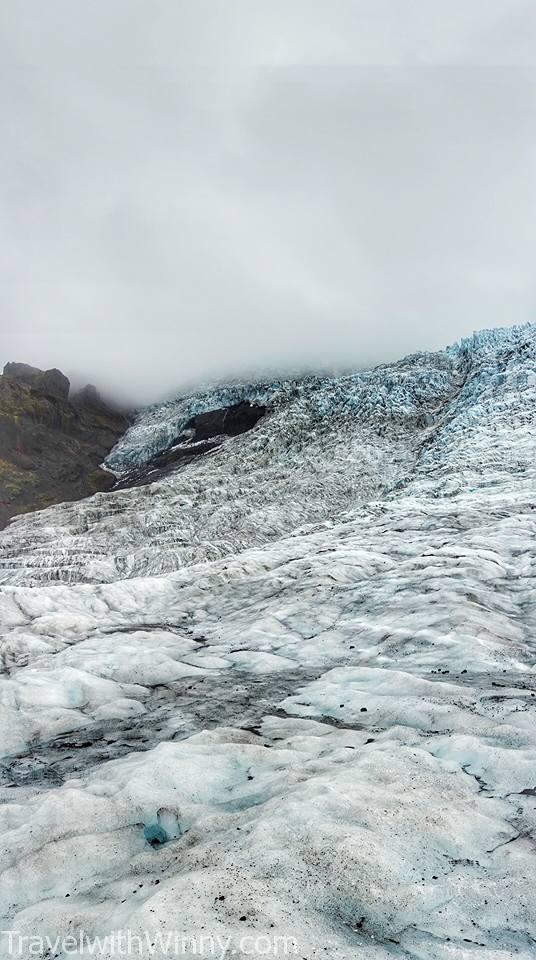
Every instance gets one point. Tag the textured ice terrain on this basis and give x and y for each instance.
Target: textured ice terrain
(288, 690)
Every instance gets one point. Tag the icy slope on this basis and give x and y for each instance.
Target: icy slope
(326, 446)
(330, 731)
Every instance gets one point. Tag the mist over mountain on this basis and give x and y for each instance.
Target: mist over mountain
(280, 188)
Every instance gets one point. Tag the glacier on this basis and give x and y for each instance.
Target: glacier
(289, 689)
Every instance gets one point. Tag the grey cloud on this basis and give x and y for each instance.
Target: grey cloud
(193, 191)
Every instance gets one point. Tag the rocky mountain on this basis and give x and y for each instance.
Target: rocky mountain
(51, 443)
(288, 689)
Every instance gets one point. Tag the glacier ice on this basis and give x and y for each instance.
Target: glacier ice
(290, 688)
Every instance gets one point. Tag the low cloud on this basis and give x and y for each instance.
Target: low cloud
(193, 191)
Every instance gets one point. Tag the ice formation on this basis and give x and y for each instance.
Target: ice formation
(288, 690)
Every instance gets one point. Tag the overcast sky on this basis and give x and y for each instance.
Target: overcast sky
(193, 190)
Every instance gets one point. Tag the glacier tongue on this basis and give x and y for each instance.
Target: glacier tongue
(289, 690)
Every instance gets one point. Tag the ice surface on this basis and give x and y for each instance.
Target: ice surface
(297, 675)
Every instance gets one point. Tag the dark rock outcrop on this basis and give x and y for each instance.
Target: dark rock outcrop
(227, 421)
(21, 371)
(203, 433)
(51, 445)
(50, 383)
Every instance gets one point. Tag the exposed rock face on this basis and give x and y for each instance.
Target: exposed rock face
(21, 371)
(50, 383)
(51, 446)
(227, 421)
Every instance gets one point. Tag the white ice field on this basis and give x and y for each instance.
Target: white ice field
(289, 690)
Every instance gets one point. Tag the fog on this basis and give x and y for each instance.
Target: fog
(200, 190)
